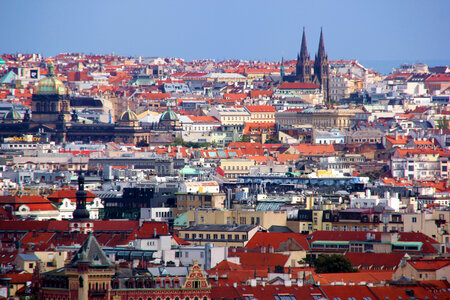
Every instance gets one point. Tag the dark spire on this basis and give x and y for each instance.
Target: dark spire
(80, 212)
(304, 48)
(321, 52)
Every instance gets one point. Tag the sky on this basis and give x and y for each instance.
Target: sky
(371, 31)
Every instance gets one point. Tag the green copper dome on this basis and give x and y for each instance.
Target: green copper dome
(50, 85)
(169, 115)
(13, 115)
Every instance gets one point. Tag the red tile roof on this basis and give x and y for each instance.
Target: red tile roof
(275, 240)
(69, 193)
(260, 260)
(429, 264)
(260, 108)
(375, 261)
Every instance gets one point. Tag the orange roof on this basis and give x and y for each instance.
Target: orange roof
(259, 158)
(429, 265)
(250, 127)
(204, 119)
(240, 96)
(258, 93)
(287, 157)
(397, 140)
(309, 149)
(260, 108)
(368, 277)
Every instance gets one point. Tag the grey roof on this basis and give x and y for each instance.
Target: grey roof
(169, 271)
(28, 256)
(277, 228)
(90, 252)
(220, 227)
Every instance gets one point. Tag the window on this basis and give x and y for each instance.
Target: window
(215, 236)
(414, 220)
(236, 237)
(222, 236)
(186, 236)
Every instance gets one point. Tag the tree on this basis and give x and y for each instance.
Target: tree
(334, 263)
(142, 143)
(273, 140)
(245, 139)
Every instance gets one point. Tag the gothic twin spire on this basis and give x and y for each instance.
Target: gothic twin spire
(304, 49)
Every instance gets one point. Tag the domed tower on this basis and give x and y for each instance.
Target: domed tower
(50, 101)
(169, 120)
(129, 118)
(12, 116)
(80, 221)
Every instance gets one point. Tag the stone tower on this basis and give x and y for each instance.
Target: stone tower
(303, 68)
(321, 69)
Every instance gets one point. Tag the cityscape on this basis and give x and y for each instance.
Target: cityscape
(306, 174)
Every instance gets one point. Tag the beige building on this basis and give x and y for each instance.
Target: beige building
(234, 168)
(261, 113)
(341, 86)
(430, 269)
(230, 115)
(319, 119)
(435, 224)
(220, 235)
(266, 219)
(51, 260)
(191, 201)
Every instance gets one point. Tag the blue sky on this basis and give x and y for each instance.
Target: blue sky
(391, 30)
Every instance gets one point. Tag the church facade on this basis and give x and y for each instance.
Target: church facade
(316, 72)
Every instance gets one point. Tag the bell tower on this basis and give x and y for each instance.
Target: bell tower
(80, 221)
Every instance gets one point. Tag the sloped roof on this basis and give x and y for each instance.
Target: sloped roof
(375, 260)
(257, 260)
(275, 239)
(92, 253)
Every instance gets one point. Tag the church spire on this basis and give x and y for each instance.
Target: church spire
(80, 212)
(282, 69)
(321, 51)
(303, 68)
(304, 48)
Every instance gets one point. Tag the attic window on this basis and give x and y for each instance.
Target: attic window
(96, 256)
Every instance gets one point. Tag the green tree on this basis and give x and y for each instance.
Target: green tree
(273, 141)
(334, 263)
(245, 139)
